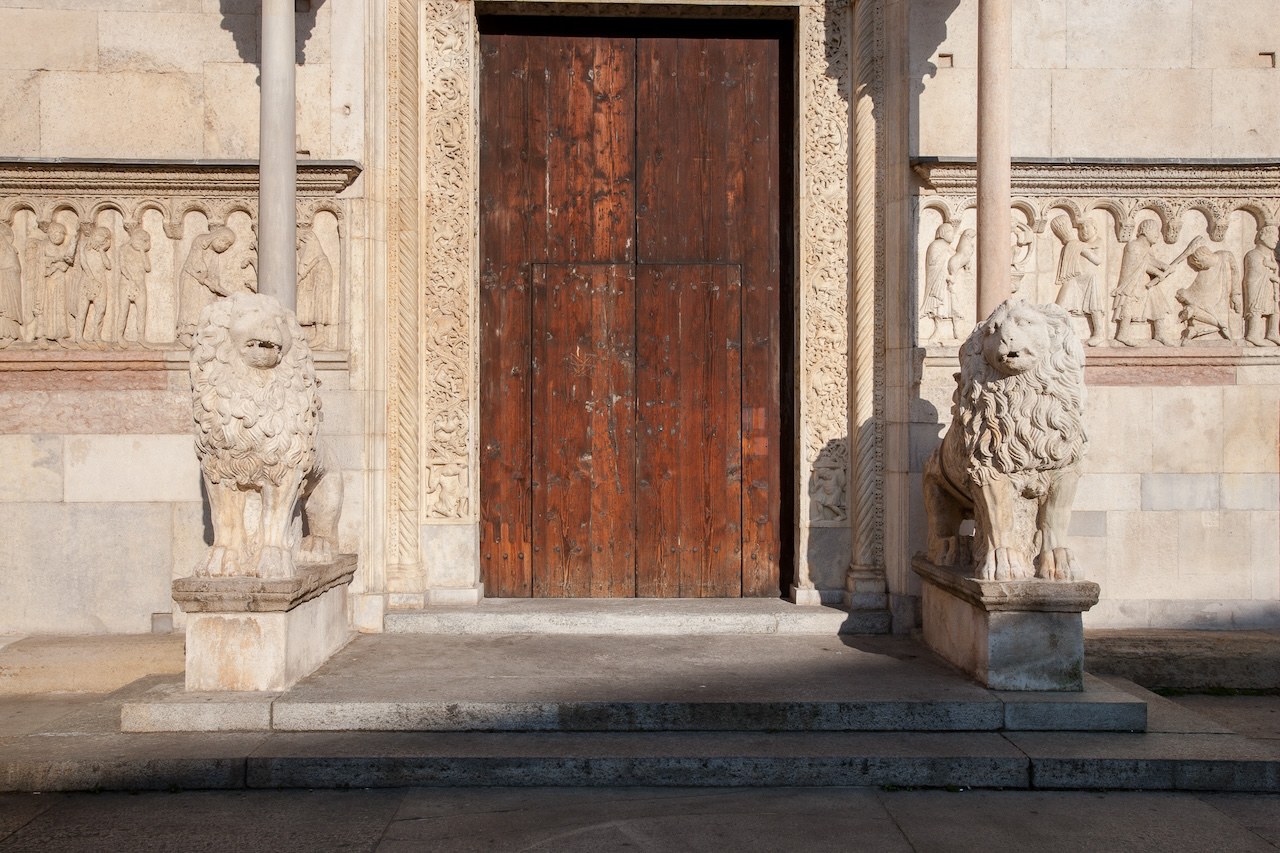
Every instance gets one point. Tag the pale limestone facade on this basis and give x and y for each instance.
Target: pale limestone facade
(1178, 515)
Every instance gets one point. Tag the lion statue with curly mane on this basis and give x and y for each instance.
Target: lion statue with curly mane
(257, 412)
(1011, 458)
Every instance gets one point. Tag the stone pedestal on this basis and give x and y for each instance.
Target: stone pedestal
(1009, 635)
(254, 634)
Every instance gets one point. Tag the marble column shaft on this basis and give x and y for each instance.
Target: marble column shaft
(995, 60)
(277, 211)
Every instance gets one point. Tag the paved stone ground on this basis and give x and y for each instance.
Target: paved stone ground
(578, 819)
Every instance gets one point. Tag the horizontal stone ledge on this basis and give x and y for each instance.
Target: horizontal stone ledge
(1040, 596)
(167, 177)
(19, 358)
(1135, 177)
(1154, 356)
(257, 595)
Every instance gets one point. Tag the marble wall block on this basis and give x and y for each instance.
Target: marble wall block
(49, 39)
(31, 470)
(85, 568)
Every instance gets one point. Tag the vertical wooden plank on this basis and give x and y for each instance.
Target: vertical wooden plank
(590, 142)
(754, 111)
(688, 443)
(556, 182)
(583, 430)
(505, 184)
(708, 189)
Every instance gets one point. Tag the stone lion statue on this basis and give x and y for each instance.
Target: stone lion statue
(1011, 458)
(257, 411)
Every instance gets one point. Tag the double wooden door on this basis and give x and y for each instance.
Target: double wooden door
(631, 305)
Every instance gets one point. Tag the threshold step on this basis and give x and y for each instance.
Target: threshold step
(635, 617)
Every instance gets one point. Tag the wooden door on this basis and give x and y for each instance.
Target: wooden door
(632, 306)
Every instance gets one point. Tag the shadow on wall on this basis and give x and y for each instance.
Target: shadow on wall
(243, 19)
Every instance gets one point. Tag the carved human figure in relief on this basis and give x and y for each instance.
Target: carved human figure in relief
(135, 263)
(11, 313)
(1078, 289)
(48, 260)
(1208, 302)
(1262, 290)
(826, 490)
(201, 279)
(257, 413)
(1011, 458)
(1137, 297)
(315, 289)
(938, 303)
(93, 283)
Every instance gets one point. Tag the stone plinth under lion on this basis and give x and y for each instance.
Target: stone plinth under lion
(267, 603)
(1005, 604)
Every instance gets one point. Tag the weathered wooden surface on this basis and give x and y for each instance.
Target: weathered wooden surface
(631, 312)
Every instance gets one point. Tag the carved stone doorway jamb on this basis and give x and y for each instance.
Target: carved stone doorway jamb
(432, 298)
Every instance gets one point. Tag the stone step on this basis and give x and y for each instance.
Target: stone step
(1195, 762)
(636, 617)
(593, 683)
(171, 709)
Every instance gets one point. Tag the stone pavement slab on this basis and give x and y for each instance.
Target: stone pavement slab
(985, 821)
(86, 664)
(578, 820)
(1259, 814)
(1185, 659)
(1253, 716)
(209, 822)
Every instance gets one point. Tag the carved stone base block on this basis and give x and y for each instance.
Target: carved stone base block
(805, 597)
(251, 634)
(1009, 635)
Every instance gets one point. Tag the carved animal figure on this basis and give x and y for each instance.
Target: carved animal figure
(256, 416)
(1011, 458)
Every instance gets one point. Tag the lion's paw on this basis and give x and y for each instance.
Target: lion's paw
(220, 562)
(275, 563)
(1004, 564)
(1057, 564)
(316, 549)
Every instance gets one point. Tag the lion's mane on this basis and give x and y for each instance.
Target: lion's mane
(1031, 421)
(252, 426)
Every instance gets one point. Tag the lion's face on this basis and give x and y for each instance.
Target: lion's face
(259, 333)
(260, 336)
(1018, 338)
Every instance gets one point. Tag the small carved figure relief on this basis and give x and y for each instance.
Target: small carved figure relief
(939, 301)
(315, 290)
(11, 312)
(49, 259)
(1078, 289)
(1137, 297)
(200, 280)
(1215, 293)
(1262, 289)
(1011, 457)
(1022, 242)
(257, 413)
(826, 489)
(135, 263)
(92, 283)
(446, 491)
